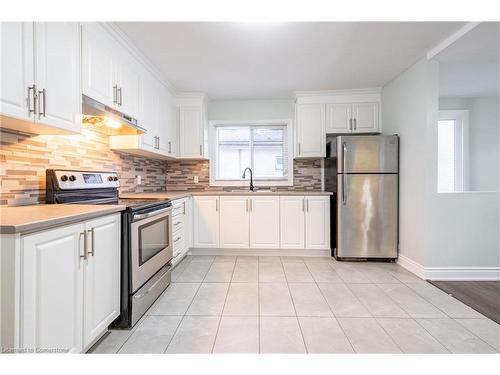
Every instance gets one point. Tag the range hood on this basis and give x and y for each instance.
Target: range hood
(103, 119)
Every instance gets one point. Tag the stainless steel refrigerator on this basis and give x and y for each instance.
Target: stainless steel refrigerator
(362, 172)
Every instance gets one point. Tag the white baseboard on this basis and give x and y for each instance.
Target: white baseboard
(450, 273)
(412, 266)
(262, 252)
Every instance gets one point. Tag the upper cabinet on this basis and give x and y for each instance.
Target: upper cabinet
(40, 67)
(192, 126)
(311, 136)
(110, 74)
(333, 112)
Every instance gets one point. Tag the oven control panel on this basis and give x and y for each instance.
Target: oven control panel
(68, 179)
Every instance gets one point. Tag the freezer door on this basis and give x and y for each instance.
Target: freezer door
(367, 154)
(367, 215)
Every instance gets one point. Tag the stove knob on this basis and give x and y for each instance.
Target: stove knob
(115, 178)
(110, 178)
(72, 178)
(64, 178)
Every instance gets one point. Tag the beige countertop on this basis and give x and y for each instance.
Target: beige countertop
(182, 194)
(23, 219)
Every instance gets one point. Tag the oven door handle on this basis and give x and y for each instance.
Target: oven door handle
(150, 214)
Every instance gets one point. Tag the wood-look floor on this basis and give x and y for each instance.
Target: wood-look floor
(482, 296)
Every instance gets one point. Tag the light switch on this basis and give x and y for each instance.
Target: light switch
(139, 180)
(196, 179)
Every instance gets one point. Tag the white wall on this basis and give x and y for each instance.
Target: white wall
(456, 232)
(251, 110)
(404, 102)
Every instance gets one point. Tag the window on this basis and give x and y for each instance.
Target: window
(263, 148)
(452, 127)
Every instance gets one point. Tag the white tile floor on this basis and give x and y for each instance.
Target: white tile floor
(232, 304)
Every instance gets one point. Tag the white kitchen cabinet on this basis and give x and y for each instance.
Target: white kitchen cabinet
(110, 74)
(57, 73)
(338, 118)
(167, 126)
(292, 222)
(102, 276)
(99, 53)
(191, 131)
(206, 222)
(365, 117)
(264, 222)
(62, 289)
(17, 70)
(51, 307)
(234, 222)
(41, 77)
(310, 131)
(182, 218)
(317, 222)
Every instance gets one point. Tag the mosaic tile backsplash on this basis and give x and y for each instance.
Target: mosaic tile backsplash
(24, 159)
(180, 176)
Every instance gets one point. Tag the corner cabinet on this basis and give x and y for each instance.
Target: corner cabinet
(193, 131)
(67, 286)
(40, 67)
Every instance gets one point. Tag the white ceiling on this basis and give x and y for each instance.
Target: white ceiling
(470, 67)
(271, 60)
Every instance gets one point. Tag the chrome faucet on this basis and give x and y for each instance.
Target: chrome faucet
(251, 177)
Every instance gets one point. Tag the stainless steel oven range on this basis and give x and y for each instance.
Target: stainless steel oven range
(147, 249)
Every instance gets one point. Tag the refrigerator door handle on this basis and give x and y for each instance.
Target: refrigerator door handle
(344, 175)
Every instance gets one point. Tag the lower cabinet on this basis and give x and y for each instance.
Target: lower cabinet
(182, 228)
(69, 285)
(305, 222)
(206, 222)
(234, 226)
(262, 222)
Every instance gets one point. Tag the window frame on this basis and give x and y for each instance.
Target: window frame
(213, 144)
(461, 118)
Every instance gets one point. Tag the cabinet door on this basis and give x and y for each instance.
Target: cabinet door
(52, 289)
(102, 275)
(188, 224)
(317, 226)
(17, 69)
(292, 228)
(191, 132)
(265, 222)
(234, 226)
(129, 80)
(365, 117)
(57, 72)
(206, 222)
(338, 118)
(98, 53)
(168, 125)
(149, 111)
(311, 133)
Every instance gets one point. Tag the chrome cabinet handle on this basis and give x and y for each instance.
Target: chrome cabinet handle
(247, 205)
(350, 124)
(344, 174)
(184, 207)
(251, 204)
(41, 112)
(120, 96)
(177, 223)
(115, 94)
(355, 121)
(84, 234)
(201, 150)
(31, 89)
(299, 149)
(307, 205)
(177, 239)
(303, 204)
(169, 147)
(92, 242)
(217, 205)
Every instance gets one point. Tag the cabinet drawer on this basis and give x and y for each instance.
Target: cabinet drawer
(177, 223)
(178, 209)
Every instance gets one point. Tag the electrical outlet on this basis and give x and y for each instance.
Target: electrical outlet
(139, 179)
(196, 180)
